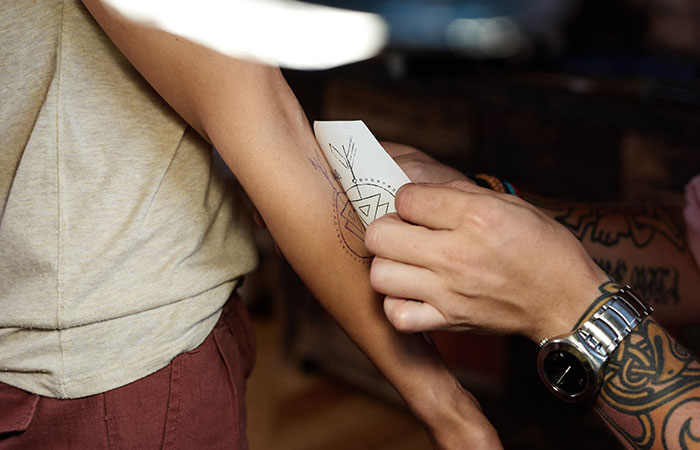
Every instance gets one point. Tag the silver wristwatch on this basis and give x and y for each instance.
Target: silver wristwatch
(571, 365)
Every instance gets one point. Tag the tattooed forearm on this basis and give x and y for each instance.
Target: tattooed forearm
(651, 391)
(650, 395)
(657, 284)
(612, 225)
(349, 228)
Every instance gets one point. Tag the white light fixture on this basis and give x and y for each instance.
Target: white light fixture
(278, 32)
(496, 37)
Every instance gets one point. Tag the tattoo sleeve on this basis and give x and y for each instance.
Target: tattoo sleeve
(650, 396)
(643, 246)
(610, 225)
(658, 284)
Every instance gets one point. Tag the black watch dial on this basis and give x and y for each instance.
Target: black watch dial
(565, 372)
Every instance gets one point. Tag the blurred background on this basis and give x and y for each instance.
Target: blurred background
(588, 101)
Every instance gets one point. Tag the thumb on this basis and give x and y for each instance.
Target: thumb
(410, 316)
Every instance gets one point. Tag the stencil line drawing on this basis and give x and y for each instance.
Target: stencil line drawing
(367, 174)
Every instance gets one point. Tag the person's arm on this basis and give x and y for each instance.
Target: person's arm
(643, 246)
(651, 394)
(250, 115)
(492, 263)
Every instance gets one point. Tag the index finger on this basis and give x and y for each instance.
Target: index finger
(392, 238)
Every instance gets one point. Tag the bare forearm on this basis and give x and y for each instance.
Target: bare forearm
(249, 113)
(644, 247)
(305, 212)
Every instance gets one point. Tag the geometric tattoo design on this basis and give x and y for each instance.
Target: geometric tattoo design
(350, 227)
(370, 197)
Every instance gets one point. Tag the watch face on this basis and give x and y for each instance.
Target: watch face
(565, 372)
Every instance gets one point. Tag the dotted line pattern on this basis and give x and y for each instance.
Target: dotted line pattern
(341, 239)
(377, 183)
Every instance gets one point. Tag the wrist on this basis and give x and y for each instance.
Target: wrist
(572, 303)
(572, 365)
(443, 401)
(453, 419)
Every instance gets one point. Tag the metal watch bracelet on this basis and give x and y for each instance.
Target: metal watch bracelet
(608, 326)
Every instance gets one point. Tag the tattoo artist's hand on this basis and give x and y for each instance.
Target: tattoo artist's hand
(420, 167)
(478, 260)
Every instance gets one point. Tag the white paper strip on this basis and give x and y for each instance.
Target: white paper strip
(368, 175)
(278, 32)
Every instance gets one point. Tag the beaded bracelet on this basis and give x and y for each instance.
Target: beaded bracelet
(495, 184)
(512, 190)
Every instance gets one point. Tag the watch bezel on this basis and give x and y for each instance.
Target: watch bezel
(569, 345)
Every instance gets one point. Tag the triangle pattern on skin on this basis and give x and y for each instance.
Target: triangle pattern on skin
(352, 222)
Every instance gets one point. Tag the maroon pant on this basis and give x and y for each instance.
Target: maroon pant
(196, 402)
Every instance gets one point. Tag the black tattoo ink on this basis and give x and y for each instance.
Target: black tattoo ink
(684, 434)
(658, 285)
(346, 157)
(349, 227)
(640, 225)
(646, 383)
(651, 386)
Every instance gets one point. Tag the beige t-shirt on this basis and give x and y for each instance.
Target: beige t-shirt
(119, 243)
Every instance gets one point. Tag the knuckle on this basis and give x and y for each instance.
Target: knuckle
(452, 256)
(489, 211)
(457, 260)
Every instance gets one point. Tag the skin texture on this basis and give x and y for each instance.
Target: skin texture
(481, 261)
(250, 115)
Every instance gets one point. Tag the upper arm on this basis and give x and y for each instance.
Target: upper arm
(246, 110)
(200, 84)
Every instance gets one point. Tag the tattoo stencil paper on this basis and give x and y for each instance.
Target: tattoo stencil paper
(367, 174)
